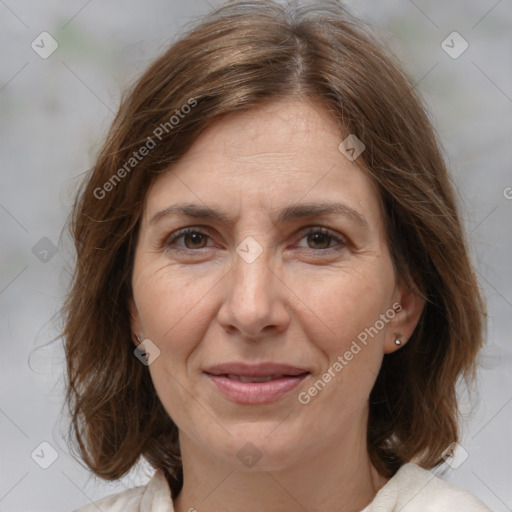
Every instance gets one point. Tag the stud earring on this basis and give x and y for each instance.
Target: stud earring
(398, 342)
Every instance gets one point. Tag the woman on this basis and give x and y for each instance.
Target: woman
(273, 299)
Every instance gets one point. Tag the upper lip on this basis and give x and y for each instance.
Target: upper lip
(255, 370)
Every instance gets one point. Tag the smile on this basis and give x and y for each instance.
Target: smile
(255, 384)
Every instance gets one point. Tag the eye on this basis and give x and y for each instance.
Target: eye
(321, 239)
(317, 239)
(191, 239)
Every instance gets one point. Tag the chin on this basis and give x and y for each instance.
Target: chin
(259, 447)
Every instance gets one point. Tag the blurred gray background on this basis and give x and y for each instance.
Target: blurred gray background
(55, 110)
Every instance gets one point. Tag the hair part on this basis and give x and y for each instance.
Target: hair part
(239, 57)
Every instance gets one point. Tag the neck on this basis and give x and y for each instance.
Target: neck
(338, 478)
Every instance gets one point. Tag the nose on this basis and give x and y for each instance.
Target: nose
(254, 303)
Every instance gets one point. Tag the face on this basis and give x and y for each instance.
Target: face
(263, 277)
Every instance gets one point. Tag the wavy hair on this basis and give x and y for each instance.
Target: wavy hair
(240, 56)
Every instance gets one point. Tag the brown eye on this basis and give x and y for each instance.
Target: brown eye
(194, 240)
(319, 240)
(322, 241)
(187, 240)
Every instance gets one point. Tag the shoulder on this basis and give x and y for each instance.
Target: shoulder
(414, 489)
(155, 496)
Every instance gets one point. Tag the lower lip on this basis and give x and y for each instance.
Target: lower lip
(255, 392)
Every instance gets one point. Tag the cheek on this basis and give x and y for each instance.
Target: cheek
(348, 304)
(172, 306)
(345, 302)
(169, 299)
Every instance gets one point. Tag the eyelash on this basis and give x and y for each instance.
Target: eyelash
(340, 241)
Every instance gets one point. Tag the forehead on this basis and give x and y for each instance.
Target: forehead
(286, 130)
(270, 156)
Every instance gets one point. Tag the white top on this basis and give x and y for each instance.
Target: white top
(411, 489)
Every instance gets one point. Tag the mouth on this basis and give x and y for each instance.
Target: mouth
(243, 378)
(255, 384)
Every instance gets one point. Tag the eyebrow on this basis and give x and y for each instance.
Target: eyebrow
(293, 212)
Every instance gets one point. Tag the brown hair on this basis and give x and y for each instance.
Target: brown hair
(238, 57)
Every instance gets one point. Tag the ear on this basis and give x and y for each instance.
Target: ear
(408, 307)
(135, 323)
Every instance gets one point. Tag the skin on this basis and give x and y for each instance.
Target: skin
(301, 302)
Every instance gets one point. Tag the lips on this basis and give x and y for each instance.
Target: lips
(255, 384)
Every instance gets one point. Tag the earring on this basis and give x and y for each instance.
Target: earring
(138, 339)
(398, 342)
